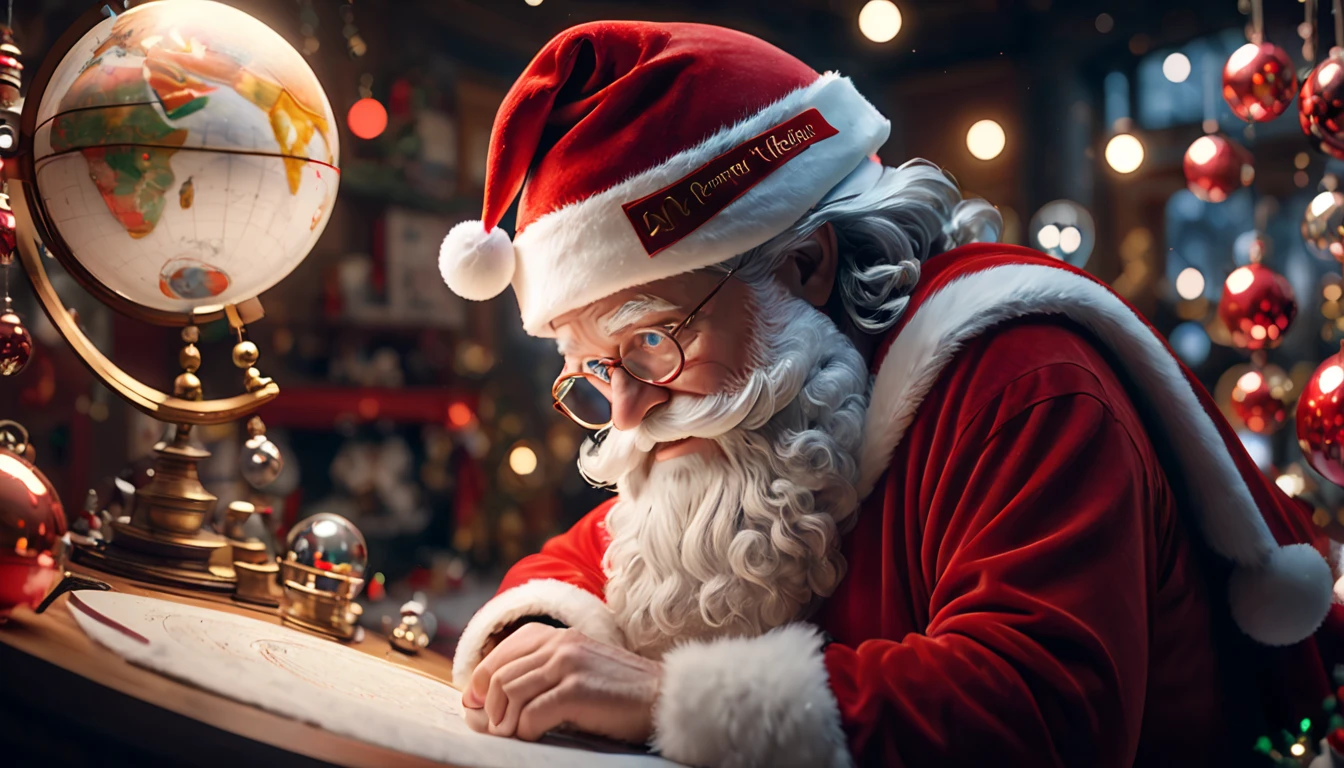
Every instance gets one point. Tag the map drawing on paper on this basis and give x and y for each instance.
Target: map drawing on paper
(318, 681)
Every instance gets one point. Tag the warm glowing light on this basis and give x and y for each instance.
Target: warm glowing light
(6, 140)
(880, 20)
(324, 528)
(533, 3)
(1048, 237)
(1322, 202)
(19, 471)
(1250, 381)
(367, 119)
(1298, 750)
(523, 460)
(1240, 279)
(1190, 283)
(1124, 153)
(1293, 485)
(1070, 238)
(1176, 67)
(1203, 150)
(1332, 292)
(1241, 57)
(459, 415)
(986, 140)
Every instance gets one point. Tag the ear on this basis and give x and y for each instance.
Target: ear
(809, 268)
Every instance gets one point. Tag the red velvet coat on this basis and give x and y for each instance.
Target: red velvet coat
(1026, 582)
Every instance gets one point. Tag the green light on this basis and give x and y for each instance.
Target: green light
(1306, 724)
(378, 577)
(1264, 745)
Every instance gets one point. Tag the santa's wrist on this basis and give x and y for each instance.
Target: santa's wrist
(508, 629)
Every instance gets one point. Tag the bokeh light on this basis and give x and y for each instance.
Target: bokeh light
(1124, 153)
(1191, 343)
(367, 119)
(880, 20)
(1190, 283)
(523, 460)
(986, 140)
(1176, 67)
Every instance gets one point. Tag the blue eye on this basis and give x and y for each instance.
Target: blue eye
(652, 339)
(596, 368)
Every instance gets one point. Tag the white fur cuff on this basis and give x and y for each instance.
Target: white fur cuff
(574, 607)
(750, 701)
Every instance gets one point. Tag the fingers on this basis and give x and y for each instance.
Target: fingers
(476, 720)
(521, 692)
(522, 642)
(547, 711)
(499, 695)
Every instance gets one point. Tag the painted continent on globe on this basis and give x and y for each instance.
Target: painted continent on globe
(205, 140)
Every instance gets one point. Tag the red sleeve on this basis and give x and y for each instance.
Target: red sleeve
(1035, 651)
(574, 557)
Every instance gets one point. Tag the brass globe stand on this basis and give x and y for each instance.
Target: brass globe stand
(164, 540)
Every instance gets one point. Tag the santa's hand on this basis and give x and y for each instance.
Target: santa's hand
(540, 678)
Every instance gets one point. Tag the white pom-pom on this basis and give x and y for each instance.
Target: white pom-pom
(1285, 599)
(477, 265)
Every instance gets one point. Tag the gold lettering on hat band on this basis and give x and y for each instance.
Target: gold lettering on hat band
(675, 211)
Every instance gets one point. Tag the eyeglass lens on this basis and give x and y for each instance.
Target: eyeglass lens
(651, 355)
(584, 401)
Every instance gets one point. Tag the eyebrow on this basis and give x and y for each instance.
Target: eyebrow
(634, 309)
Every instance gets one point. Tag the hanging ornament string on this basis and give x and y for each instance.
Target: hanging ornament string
(1211, 77)
(1257, 21)
(1307, 31)
(1339, 23)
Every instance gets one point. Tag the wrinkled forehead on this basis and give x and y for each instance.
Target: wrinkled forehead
(608, 316)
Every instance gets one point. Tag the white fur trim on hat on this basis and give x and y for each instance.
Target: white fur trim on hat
(588, 250)
(476, 264)
(763, 700)
(566, 603)
(1256, 595)
(1279, 595)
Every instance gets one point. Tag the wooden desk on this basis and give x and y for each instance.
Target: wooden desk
(64, 700)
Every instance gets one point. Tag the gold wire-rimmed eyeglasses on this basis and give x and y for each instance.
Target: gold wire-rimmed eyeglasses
(651, 355)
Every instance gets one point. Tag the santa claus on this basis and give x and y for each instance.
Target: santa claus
(885, 492)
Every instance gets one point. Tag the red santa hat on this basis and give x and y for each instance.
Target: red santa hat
(647, 150)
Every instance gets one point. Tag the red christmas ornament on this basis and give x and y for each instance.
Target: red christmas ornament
(1259, 81)
(32, 523)
(1257, 307)
(8, 239)
(1321, 108)
(1215, 167)
(1260, 399)
(16, 344)
(1320, 420)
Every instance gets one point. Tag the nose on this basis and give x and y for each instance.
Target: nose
(632, 399)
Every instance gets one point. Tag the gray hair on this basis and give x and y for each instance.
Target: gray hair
(883, 235)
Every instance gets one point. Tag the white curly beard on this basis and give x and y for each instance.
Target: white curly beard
(743, 539)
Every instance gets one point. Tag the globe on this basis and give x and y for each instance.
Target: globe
(186, 155)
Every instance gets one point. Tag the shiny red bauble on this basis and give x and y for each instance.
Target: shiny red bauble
(1321, 107)
(1260, 399)
(1259, 81)
(32, 530)
(1320, 419)
(8, 236)
(16, 344)
(1257, 306)
(1215, 167)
